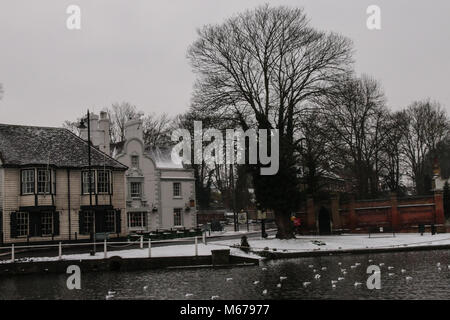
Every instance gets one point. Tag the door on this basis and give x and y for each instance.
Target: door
(324, 221)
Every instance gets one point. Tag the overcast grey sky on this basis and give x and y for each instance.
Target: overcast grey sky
(136, 51)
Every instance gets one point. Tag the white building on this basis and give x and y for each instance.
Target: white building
(160, 193)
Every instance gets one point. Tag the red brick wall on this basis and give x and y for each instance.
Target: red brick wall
(398, 214)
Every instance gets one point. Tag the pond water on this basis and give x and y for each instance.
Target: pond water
(426, 282)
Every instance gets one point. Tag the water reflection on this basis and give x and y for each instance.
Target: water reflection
(249, 283)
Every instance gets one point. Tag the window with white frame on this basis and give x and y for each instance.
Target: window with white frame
(43, 181)
(135, 162)
(85, 182)
(22, 223)
(88, 221)
(28, 181)
(47, 223)
(177, 189)
(177, 217)
(135, 189)
(137, 219)
(103, 181)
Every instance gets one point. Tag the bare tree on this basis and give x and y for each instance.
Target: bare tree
(119, 114)
(315, 148)
(355, 109)
(392, 156)
(427, 126)
(259, 67)
(72, 126)
(157, 130)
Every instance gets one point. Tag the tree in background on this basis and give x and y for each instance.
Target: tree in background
(355, 111)
(260, 67)
(315, 149)
(392, 158)
(119, 114)
(157, 130)
(427, 126)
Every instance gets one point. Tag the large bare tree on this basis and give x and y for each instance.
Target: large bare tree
(259, 67)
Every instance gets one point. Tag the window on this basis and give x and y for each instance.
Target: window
(135, 162)
(43, 181)
(47, 223)
(177, 189)
(110, 221)
(103, 183)
(135, 189)
(88, 221)
(85, 182)
(177, 217)
(23, 222)
(28, 181)
(137, 219)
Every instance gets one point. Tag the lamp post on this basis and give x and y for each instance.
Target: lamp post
(83, 126)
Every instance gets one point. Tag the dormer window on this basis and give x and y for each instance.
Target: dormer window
(135, 162)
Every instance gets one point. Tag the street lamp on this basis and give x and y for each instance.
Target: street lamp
(83, 126)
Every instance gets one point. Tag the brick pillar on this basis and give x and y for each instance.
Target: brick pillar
(311, 215)
(395, 217)
(352, 214)
(439, 207)
(337, 224)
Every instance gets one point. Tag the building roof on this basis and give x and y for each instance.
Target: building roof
(27, 145)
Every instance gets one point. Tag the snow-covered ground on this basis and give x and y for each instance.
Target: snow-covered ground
(165, 251)
(301, 244)
(350, 242)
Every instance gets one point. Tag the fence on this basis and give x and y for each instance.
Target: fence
(117, 245)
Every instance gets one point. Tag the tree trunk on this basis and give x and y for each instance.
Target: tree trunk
(285, 226)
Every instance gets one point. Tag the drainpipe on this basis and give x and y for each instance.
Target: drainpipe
(68, 203)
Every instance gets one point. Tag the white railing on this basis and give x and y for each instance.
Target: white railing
(113, 244)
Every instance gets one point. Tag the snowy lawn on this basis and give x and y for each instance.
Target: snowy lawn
(349, 242)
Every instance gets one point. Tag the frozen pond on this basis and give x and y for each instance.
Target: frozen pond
(427, 281)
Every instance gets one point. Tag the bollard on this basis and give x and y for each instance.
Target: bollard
(60, 251)
(196, 246)
(204, 238)
(105, 250)
(149, 248)
(142, 242)
(12, 253)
